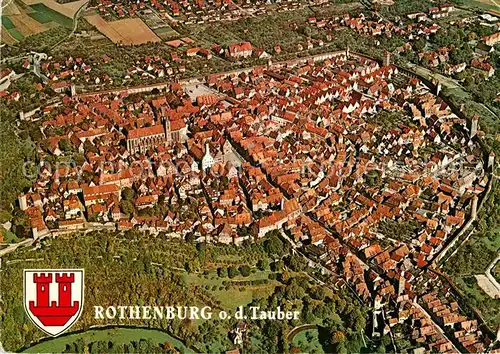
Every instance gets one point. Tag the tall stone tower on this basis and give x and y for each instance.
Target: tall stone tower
(23, 205)
(473, 126)
(208, 161)
(491, 161)
(436, 83)
(473, 213)
(387, 58)
(168, 131)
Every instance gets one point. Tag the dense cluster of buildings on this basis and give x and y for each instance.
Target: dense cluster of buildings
(374, 27)
(195, 11)
(417, 26)
(304, 149)
(74, 70)
(305, 129)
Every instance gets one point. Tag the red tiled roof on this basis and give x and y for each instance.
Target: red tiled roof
(148, 131)
(239, 47)
(177, 124)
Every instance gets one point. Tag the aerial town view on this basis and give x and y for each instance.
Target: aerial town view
(230, 176)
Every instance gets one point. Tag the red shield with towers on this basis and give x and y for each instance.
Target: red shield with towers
(53, 298)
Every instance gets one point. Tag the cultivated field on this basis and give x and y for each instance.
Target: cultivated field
(127, 31)
(6, 37)
(10, 8)
(20, 20)
(28, 25)
(67, 10)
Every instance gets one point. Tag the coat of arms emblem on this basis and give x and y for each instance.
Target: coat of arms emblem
(53, 298)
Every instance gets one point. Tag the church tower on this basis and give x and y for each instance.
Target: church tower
(387, 58)
(168, 133)
(207, 161)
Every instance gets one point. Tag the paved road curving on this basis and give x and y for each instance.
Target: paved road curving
(491, 277)
(299, 329)
(14, 246)
(75, 24)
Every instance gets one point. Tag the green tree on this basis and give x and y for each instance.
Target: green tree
(274, 246)
(89, 147)
(294, 291)
(128, 194)
(356, 319)
(340, 348)
(65, 145)
(419, 44)
(245, 270)
(263, 264)
(222, 272)
(189, 237)
(296, 263)
(232, 272)
(485, 92)
(278, 266)
(318, 292)
(127, 207)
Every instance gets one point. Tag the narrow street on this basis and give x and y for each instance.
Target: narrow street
(440, 330)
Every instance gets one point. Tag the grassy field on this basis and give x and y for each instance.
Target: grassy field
(165, 32)
(7, 23)
(308, 341)
(233, 297)
(116, 335)
(491, 123)
(488, 307)
(8, 237)
(16, 34)
(68, 9)
(6, 37)
(230, 299)
(430, 75)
